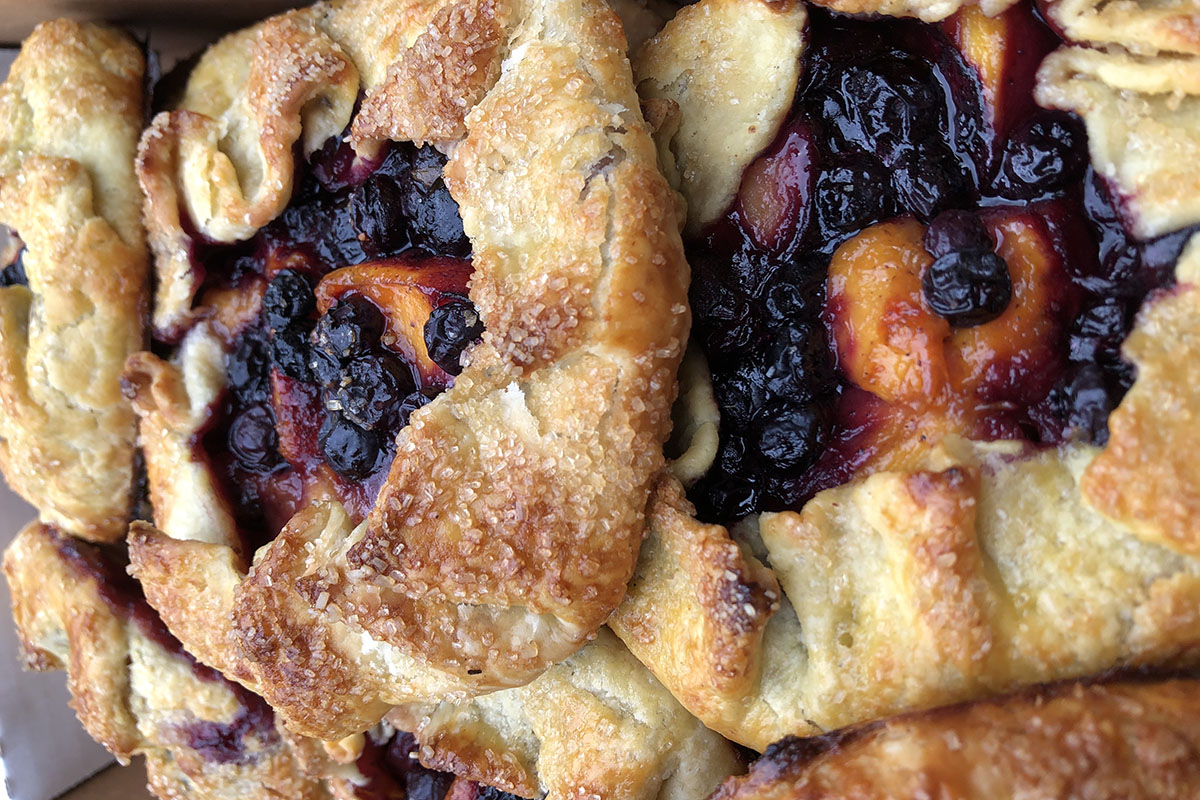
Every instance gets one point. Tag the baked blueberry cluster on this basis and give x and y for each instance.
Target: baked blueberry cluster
(330, 370)
(901, 148)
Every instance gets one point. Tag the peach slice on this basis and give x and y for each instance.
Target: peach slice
(888, 342)
(777, 190)
(1010, 356)
(1005, 51)
(406, 290)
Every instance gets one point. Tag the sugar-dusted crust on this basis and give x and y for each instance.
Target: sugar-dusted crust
(1132, 740)
(1143, 124)
(980, 572)
(727, 115)
(1141, 26)
(134, 690)
(1146, 478)
(597, 725)
(70, 113)
(510, 521)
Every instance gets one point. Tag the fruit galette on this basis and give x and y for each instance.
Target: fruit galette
(398, 522)
(949, 309)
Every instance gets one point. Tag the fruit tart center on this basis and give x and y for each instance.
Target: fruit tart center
(921, 252)
(342, 317)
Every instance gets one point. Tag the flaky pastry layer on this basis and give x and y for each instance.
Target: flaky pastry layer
(511, 518)
(134, 689)
(70, 114)
(1133, 740)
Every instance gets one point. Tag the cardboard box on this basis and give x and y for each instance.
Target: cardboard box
(43, 749)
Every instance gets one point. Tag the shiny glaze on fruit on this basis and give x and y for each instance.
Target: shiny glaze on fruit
(326, 317)
(848, 304)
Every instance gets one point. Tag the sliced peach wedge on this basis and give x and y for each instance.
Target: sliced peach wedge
(406, 290)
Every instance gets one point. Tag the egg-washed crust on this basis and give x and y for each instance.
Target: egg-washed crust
(980, 569)
(597, 725)
(70, 114)
(134, 695)
(1146, 478)
(1142, 117)
(726, 117)
(1129, 739)
(979, 573)
(510, 521)
(1141, 26)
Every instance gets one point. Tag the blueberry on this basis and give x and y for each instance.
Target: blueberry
(415, 400)
(376, 212)
(957, 230)
(797, 292)
(434, 221)
(789, 436)
(929, 181)
(450, 329)
(799, 366)
(14, 273)
(351, 451)
(290, 351)
(724, 498)
(492, 793)
(741, 390)
(884, 106)
(1043, 155)
(350, 328)
(247, 368)
(851, 195)
(253, 441)
(372, 388)
(289, 297)
(326, 370)
(1088, 404)
(426, 784)
(1098, 333)
(968, 288)
(731, 457)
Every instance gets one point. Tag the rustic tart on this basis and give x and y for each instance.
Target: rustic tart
(421, 300)
(426, 297)
(74, 307)
(943, 402)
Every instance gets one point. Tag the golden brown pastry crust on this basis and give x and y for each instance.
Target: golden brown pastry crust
(726, 116)
(509, 524)
(70, 112)
(1129, 740)
(1141, 115)
(907, 590)
(1140, 26)
(132, 693)
(597, 725)
(1146, 478)
(224, 159)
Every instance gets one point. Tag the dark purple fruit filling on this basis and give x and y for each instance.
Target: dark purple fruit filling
(322, 378)
(890, 120)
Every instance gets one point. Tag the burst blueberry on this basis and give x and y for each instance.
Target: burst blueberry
(450, 329)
